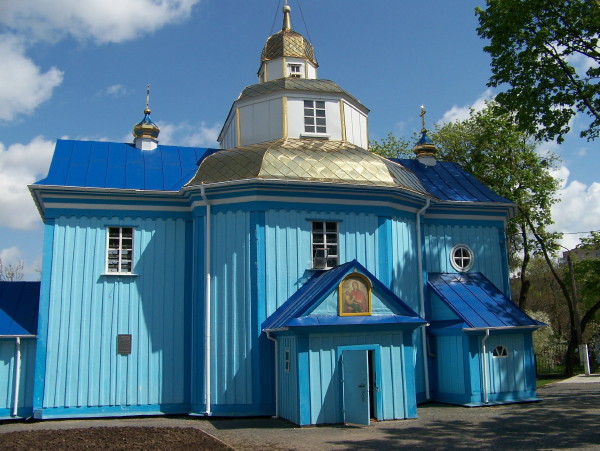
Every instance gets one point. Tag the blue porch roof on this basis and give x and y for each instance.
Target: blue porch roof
(448, 181)
(477, 302)
(290, 314)
(99, 164)
(19, 308)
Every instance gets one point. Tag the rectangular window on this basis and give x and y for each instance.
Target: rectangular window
(325, 244)
(119, 252)
(295, 70)
(286, 360)
(314, 116)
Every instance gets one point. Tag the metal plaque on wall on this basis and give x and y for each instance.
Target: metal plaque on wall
(124, 344)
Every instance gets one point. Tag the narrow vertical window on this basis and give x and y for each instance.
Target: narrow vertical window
(119, 252)
(325, 244)
(295, 70)
(286, 360)
(314, 116)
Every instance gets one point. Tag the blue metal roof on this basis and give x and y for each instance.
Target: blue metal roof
(19, 308)
(448, 181)
(100, 164)
(477, 301)
(318, 287)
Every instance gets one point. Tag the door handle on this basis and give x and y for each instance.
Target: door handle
(361, 386)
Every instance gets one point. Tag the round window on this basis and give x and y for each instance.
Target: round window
(461, 258)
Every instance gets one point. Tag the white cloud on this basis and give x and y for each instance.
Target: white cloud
(100, 20)
(23, 86)
(578, 209)
(186, 134)
(20, 165)
(117, 90)
(460, 113)
(13, 256)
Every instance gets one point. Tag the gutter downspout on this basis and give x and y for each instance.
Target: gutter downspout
(485, 369)
(207, 362)
(274, 340)
(422, 295)
(17, 376)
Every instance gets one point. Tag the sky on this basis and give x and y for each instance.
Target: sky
(78, 69)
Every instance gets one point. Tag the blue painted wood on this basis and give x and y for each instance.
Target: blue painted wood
(483, 241)
(44, 306)
(198, 315)
(355, 374)
(304, 381)
(384, 242)
(8, 349)
(88, 309)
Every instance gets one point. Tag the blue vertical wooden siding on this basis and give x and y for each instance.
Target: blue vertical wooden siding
(324, 382)
(450, 366)
(7, 377)
(288, 239)
(506, 374)
(405, 271)
(231, 314)
(198, 287)
(484, 241)
(289, 404)
(89, 309)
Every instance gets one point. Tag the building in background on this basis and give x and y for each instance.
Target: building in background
(291, 272)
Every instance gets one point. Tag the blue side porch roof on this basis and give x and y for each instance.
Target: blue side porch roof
(477, 302)
(19, 308)
(100, 164)
(295, 312)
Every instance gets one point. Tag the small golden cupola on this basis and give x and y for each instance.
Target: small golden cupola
(424, 149)
(287, 54)
(146, 132)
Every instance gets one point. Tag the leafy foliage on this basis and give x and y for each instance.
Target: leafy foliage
(392, 147)
(489, 146)
(547, 52)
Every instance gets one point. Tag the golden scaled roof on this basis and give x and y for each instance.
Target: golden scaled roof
(305, 160)
(287, 43)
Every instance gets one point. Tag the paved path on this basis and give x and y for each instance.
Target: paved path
(567, 418)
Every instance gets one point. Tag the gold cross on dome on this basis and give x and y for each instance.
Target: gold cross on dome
(423, 111)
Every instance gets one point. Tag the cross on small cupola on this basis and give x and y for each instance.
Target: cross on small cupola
(424, 149)
(146, 132)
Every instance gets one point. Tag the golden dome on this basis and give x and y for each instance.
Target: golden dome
(305, 160)
(288, 43)
(146, 128)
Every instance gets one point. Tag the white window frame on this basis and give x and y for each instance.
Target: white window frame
(315, 120)
(119, 245)
(325, 244)
(459, 254)
(295, 70)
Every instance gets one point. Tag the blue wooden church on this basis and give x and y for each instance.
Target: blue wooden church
(291, 272)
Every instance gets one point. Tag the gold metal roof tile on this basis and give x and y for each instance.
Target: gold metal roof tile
(305, 160)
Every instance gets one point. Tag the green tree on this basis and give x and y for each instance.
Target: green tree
(489, 146)
(547, 52)
(392, 147)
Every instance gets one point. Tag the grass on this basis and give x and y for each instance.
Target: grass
(548, 379)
